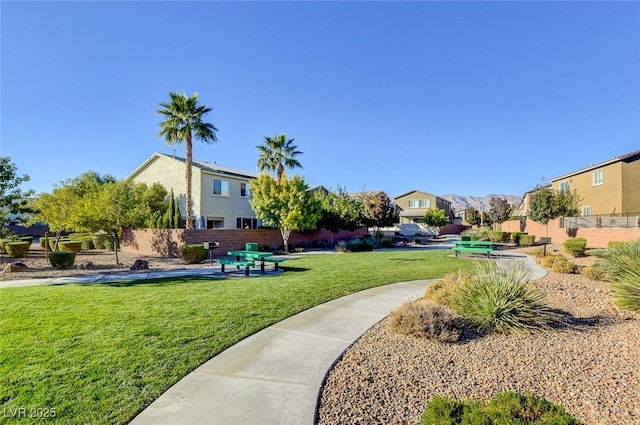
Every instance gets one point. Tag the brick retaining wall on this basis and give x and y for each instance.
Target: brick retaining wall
(167, 242)
(596, 237)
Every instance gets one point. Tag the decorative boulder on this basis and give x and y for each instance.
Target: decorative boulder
(140, 265)
(14, 267)
(85, 265)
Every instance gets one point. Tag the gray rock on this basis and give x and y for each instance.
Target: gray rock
(140, 265)
(14, 267)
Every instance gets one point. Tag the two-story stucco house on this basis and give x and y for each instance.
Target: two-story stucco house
(220, 194)
(414, 204)
(610, 187)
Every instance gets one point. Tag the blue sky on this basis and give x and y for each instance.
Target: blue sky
(472, 98)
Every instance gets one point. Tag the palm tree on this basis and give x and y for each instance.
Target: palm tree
(183, 122)
(276, 154)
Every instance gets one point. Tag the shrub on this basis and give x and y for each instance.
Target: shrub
(621, 264)
(476, 234)
(498, 236)
(42, 242)
(515, 237)
(576, 246)
(442, 291)
(194, 253)
(526, 240)
(27, 238)
(558, 263)
(386, 242)
(562, 265)
(594, 272)
(87, 243)
(17, 249)
(425, 320)
(62, 259)
(501, 298)
(503, 408)
(356, 245)
(103, 241)
(73, 246)
(52, 242)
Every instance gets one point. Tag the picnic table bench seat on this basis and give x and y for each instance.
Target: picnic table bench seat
(238, 263)
(474, 247)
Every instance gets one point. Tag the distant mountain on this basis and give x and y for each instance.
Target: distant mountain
(459, 203)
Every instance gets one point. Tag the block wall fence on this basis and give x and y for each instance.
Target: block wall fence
(596, 237)
(168, 242)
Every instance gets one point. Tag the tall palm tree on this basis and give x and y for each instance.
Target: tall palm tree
(182, 122)
(276, 154)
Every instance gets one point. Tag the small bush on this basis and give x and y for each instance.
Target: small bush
(621, 264)
(594, 272)
(27, 238)
(476, 234)
(549, 260)
(42, 242)
(87, 243)
(73, 246)
(503, 408)
(562, 265)
(498, 236)
(52, 242)
(17, 249)
(442, 291)
(515, 237)
(62, 259)
(356, 245)
(386, 242)
(194, 253)
(501, 298)
(526, 240)
(103, 241)
(575, 246)
(425, 320)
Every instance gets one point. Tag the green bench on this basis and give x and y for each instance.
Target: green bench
(264, 259)
(473, 247)
(238, 263)
(275, 261)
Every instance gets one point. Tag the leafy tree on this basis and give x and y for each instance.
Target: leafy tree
(378, 210)
(276, 154)
(547, 204)
(473, 216)
(500, 210)
(87, 182)
(339, 211)
(287, 205)
(182, 122)
(436, 217)
(12, 199)
(57, 209)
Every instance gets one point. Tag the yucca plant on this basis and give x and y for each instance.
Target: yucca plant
(621, 264)
(501, 298)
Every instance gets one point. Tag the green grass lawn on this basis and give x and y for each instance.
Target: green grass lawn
(100, 353)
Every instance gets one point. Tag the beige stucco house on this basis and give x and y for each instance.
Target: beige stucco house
(220, 194)
(610, 187)
(414, 204)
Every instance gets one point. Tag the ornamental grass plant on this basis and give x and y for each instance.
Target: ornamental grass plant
(500, 297)
(620, 263)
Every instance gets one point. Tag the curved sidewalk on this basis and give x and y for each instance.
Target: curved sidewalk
(275, 376)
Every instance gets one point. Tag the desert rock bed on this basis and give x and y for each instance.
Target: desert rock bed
(591, 366)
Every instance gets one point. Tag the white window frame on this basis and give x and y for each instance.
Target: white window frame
(413, 203)
(597, 177)
(563, 185)
(215, 220)
(585, 211)
(425, 203)
(222, 184)
(255, 223)
(247, 190)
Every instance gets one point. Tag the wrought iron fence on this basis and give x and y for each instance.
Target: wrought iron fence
(625, 221)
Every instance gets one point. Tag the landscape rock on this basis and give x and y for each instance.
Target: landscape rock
(140, 265)
(14, 267)
(85, 265)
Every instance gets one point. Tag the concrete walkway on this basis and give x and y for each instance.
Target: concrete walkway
(275, 376)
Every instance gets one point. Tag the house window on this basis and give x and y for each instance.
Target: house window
(586, 211)
(246, 223)
(564, 186)
(597, 177)
(419, 203)
(245, 190)
(220, 187)
(215, 223)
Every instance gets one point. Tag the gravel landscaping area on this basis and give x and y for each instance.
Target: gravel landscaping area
(590, 366)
